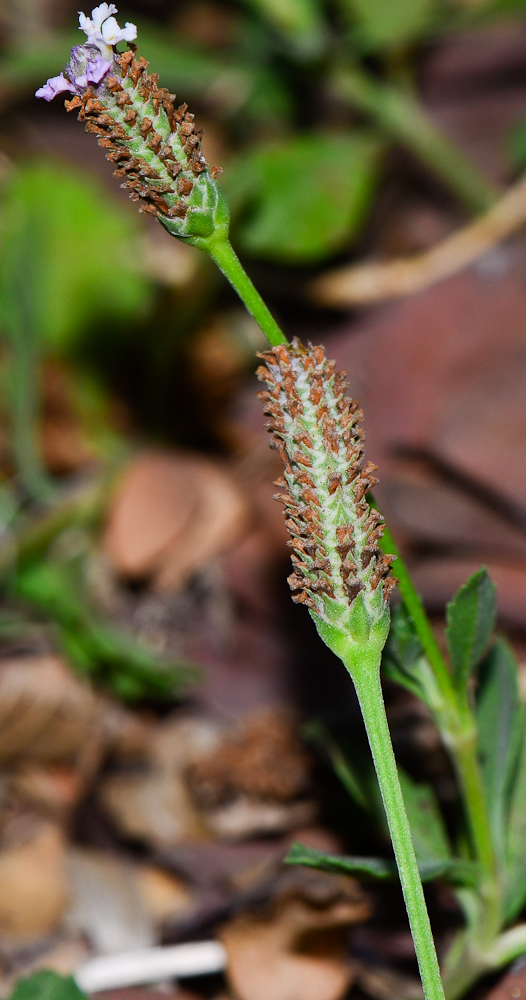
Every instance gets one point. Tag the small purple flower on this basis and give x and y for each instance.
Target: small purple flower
(95, 70)
(55, 85)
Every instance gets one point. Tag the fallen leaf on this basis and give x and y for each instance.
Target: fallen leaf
(172, 514)
(34, 888)
(298, 951)
(151, 801)
(46, 713)
(256, 780)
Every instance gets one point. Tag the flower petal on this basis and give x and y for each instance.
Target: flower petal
(55, 85)
(113, 33)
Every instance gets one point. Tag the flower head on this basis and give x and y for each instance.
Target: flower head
(334, 532)
(154, 144)
(103, 30)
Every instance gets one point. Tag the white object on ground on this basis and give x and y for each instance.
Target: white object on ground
(151, 965)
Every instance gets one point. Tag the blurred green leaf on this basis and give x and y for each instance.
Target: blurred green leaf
(47, 985)
(382, 24)
(405, 663)
(427, 826)
(302, 199)
(515, 864)
(99, 651)
(470, 621)
(517, 145)
(498, 714)
(454, 869)
(67, 255)
(299, 20)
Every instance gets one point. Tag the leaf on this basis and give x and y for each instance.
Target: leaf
(427, 826)
(455, 870)
(382, 24)
(470, 621)
(304, 198)
(352, 778)
(498, 714)
(47, 985)
(67, 257)
(515, 869)
(404, 661)
(97, 650)
(300, 21)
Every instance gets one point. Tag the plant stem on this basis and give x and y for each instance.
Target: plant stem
(402, 117)
(366, 676)
(230, 265)
(508, 946)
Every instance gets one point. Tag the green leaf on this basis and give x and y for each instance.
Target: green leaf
(453, 869)
(304, 198)
(470, 621)
(300, 21)
(104, 653)
(67, 256)
(427, 826)
(382, 24)
(498, 714)
(405, 663)
(47, 985)
(515, 870)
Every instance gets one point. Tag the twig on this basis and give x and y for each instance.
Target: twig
(365, 283)
(151, 965)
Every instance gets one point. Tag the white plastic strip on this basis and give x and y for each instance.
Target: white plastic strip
(151, 965)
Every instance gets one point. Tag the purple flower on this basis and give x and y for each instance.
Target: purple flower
(55, 85)
(95, 69)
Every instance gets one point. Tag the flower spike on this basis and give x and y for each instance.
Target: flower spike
(338, 565)
(153, 142)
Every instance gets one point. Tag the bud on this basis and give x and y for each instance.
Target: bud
(340, 573)
(154, 144)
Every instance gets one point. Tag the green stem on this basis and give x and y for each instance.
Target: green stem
(402, 117)
(508, 946)
(229, 264)
(456, 723)
(366, 676)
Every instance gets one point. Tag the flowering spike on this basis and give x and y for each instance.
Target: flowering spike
(154, 143)
(339, 571)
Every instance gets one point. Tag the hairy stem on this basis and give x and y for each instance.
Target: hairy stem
(230, 265)
(402, 117)
(364, 668)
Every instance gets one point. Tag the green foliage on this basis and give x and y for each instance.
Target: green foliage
(98, 651)
(382, 24)
(470, 622)
(300, 21)
(303, 198)
(427, 826)
(456, 871)
(499, 716)
(404, 660)
(47, 985)
(515, 872)
(67, 256)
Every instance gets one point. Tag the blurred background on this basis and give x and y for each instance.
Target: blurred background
(167, 715)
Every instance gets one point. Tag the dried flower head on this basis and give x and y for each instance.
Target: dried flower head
(338, 565)
(154, 143)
